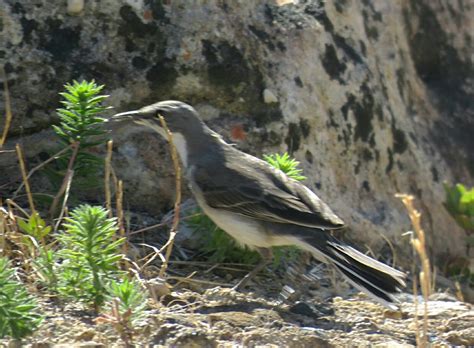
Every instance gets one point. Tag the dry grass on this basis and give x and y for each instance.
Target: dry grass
(39, 166)
(8, 110)
(418, 242)
(107, 169)
(21, 160)
(119, 202)
(66, 184)
(177, 203)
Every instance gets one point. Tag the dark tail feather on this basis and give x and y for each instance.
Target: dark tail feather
(376, 279)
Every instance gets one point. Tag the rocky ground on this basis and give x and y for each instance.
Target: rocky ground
(196, 313)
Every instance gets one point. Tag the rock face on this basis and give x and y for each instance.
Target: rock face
(373, 97)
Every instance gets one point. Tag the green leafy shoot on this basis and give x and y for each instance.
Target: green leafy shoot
(79, 116)
(80, 122)
(90, 253)
(131, 297)
(19, 313)
(126, 302)
(286, 164)
(45, 266)
(34, 227)
(460, 204)
(43, 258)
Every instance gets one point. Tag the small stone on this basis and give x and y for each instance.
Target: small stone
(158, 288)
(75, 7)
(90, 344)
(41, 344)
(285, 2)
(86, 335)
(288, 293)
(460, 337)
(394, 344)
(336, 299)
(389, 314)
(14, 343)
(303, 308)
(269, 97)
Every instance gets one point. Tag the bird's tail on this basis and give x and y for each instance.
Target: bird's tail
(374, 278)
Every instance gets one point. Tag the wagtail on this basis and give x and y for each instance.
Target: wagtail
(258, 205)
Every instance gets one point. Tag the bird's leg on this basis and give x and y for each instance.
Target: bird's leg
(267, 256)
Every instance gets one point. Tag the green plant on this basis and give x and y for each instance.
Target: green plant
(35, 228)
(43, 257)
(19, 316)
(460, 204)
(126, 302)
(286, 164)
(80, 124)
(131, 298)
(45, 266)
(222, 248)
(90, 255)
(79, 121)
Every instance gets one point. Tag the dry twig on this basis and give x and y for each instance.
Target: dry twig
(161, 224)
(39, 166)
(108, 195)
(120, 321)
(177, 170)
(68, 181)
(5, 229)
(19, 153)
(8, 110)
(69, 174)
(418, 242)
(119, 194)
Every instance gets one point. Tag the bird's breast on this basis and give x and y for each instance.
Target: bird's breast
(244, 230)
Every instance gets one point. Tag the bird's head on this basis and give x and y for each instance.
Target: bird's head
(180, 118)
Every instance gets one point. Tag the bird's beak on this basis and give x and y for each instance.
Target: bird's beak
(124, 116)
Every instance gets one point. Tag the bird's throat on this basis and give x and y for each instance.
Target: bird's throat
(180, 145)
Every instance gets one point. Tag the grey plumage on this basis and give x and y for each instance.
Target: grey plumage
(259, 205)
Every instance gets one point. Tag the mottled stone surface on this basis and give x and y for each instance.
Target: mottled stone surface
(373, 97)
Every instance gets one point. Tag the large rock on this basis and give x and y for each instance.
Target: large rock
(373, 97)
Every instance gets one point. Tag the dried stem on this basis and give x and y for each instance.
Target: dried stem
(119, 190)
(39, 166)
(64, 185)
(12, 204)
(68, 181)
(177, 170)
(15, 233)
(19, 153)
(418, 242)
(419, 338)
(108, 196)
(8, 110)
(120, 321)
(161, 224)
(4, 230)
(149, 258)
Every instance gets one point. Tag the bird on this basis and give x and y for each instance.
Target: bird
(259, 205)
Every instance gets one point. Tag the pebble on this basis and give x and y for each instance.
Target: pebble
(75, 7)
(269, 97)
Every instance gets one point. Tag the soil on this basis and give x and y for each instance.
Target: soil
(196, 313)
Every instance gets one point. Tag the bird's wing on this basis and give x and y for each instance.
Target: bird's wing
(259, 191)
